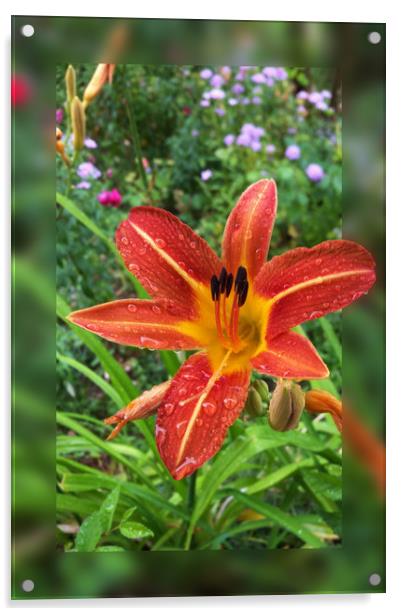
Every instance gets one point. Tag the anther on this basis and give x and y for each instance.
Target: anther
(222, 280)
(242, 293)
(229, 284)
(215, 286)
(241, 276)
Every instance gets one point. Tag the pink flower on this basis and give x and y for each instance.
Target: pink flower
(103, 197)
(115, 197)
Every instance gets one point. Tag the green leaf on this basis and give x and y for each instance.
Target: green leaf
(110, 548)
(92, 376)
(108, 508)
(135, 530)
(290, 522)
(127, 514)
(331, 337)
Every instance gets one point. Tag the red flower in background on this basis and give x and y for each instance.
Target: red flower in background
(238, 312)
(21, 90)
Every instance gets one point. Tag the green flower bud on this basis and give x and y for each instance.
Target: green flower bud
(254, 403)
(78, 123)
(286, 406)
(70, 83)
(262, 389)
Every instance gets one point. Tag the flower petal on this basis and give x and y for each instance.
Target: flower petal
(140, 408)
(152, 324)
(306, 283)
(291, 356)
(196, 412)
(249, 227)
(169, 259)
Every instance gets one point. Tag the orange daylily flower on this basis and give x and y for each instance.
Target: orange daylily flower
(237, 311)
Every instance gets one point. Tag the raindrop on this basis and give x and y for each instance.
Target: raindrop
(169, 408)
(124, 240)
(161, 243)
(181, 237)
(133, 267)
(193, 245)
(156, 309)
(230, 403)
(318, 261)
(182, 391)
(132, 308)
(181, 428)
(148, 342)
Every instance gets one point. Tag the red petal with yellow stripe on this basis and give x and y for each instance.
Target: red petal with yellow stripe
(291, 356)
(195, 414)
(307, 283)
(168, 258)
(249, 227)
(152, 324)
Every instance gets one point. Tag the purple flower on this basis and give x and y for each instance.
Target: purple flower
(292, 130)
(238, 88)
(226, 71)
(269, 71)
(59, 116)
(302, 95)
(258, 78)
(315, 97)
(206, 174)
(228, 139)
(326, 94)
(245, 101)
(270, 149)
(270, 82)
(292, 152)
(257, 90)
(233, 101)
(281, 74)
(195, 132)
(321, 105)
(256, 100)
(301, 109)
(315, 172)
(219, 111)
(205, 103)
(88, 170)
(255, 146)
(217, 81)
(206, 73)
(84, 185)
(243, 139)
(90, 143)
(217, 94)
(109, 172)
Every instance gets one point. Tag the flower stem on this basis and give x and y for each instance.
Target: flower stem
(137, 143)
(190, 506)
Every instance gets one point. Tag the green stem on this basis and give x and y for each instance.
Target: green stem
(190, 506)
(137, 142)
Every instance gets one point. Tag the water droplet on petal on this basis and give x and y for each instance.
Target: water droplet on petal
(182, 391)
(169, 408)
(209, 408)
(160, 434)
(124, 240)
(160, 242)
(132, 308)
(181, 428)
(149, 342)
(230, 403)
(156, 309)
(193, 244)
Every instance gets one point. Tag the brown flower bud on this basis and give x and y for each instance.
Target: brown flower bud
(60, 147)
(70, 83)
(78, 123)
(102, 74)
(286, 406)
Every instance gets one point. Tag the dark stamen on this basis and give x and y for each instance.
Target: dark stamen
(229, 284)
(241, 276)
(222, 280)
(242, 293)
(215, 288)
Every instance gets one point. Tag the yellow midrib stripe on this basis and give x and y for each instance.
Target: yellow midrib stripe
(215, 376)
(312, 282)
(173, 264)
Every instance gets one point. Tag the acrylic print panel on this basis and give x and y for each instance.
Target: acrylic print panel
(199, 386)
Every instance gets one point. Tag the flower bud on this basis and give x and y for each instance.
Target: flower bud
(60, 147)
(102, 74)
(70, 83)
(78, 123)
(286, 406)
(254, 403)
(262, 389)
